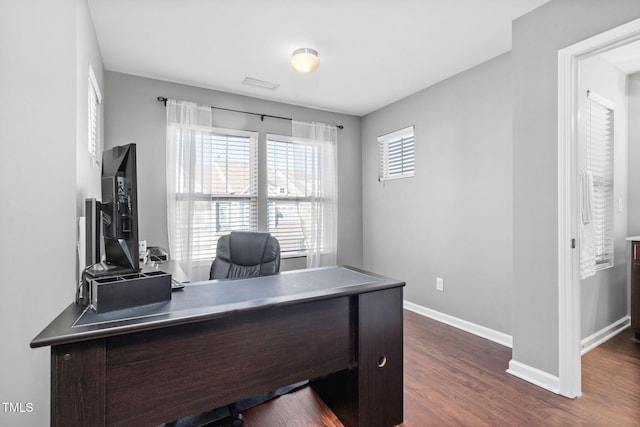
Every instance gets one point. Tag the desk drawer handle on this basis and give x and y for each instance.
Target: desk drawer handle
(382, 361)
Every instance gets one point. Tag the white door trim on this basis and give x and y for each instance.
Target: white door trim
(568, 277)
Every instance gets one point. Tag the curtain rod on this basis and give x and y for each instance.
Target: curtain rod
(262, 116)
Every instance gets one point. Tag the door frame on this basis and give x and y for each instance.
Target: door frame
(570, 367)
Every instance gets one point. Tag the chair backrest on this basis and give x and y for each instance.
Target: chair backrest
(245, 254)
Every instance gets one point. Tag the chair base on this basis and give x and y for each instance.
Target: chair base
(232, 412)
(235, 415)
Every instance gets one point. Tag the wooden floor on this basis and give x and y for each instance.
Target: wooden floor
(453, 378)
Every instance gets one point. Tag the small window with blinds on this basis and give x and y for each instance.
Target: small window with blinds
(599, 160)
(93, 108)
(396, 155)
(293, 177)
(224, 192)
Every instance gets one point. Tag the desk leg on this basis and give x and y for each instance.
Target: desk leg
(78, 384)
(380, 358)
(370, 394)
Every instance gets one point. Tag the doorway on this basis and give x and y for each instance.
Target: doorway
(569, 60)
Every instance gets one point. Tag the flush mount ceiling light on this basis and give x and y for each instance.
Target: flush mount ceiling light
(305, 60)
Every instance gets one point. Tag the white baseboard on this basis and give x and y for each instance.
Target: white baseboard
(604, 334)
(481, 331)
(534, 376)
(520, 370)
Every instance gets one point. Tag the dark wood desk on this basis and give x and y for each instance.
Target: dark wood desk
(217, 342)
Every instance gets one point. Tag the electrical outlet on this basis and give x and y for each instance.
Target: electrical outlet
(439, 284)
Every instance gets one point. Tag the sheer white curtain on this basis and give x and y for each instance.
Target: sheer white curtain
(321, 230)
(185, 122)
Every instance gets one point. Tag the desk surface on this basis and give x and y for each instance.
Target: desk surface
(212, 299)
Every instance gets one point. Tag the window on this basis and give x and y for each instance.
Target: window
(213, 188)
(293, 175)
(94, 117)
(600, 163)
(396, 154)
(217, 177)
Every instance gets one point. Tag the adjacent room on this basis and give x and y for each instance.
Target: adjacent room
(320, 213)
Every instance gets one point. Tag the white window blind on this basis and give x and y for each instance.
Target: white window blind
(293, 174)
(93, 119)
(396, 154)
(223, 190)
(600, 164)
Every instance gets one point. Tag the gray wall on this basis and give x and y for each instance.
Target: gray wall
(537, 37)
(453, 218)
(634, 154)
(132, 114)
(603, 297)
(40, 50)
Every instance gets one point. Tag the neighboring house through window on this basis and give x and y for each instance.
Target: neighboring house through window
(216, 188)
(293, 172)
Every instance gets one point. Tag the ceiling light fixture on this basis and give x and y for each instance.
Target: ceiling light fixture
(305, 60)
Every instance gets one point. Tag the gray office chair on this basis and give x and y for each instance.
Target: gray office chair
(245, 254)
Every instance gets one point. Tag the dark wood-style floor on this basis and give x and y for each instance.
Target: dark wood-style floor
(453, 378)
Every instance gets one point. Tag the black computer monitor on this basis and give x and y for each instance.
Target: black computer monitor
(119, 208)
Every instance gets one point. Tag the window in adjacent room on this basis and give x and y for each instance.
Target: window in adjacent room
(94, 100)
(396, 154)
(293, 174)
(599, 160)
(216, 188)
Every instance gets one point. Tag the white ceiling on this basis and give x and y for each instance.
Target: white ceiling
(372, 52)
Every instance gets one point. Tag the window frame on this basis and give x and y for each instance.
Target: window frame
(261, 199)
(392, 158)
